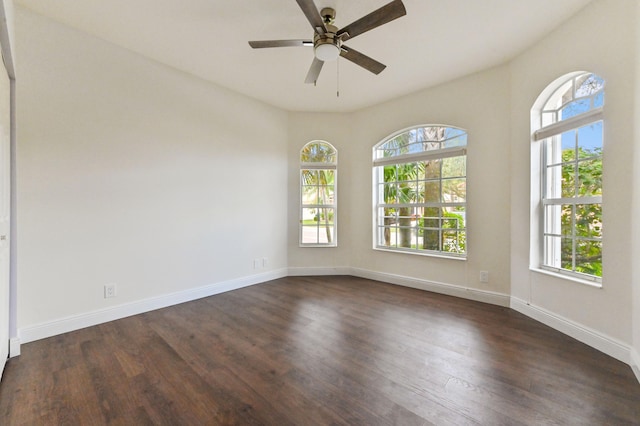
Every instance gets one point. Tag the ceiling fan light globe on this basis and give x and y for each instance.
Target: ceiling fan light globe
(327, 52)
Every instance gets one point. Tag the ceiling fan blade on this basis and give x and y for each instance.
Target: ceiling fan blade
(313, 16)
(314, 71)
(361, 59)
(385, 14)
(280, 43)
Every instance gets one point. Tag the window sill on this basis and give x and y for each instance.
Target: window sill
(594, 284)
(427, 254)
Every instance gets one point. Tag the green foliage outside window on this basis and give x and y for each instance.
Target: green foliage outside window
(586, 221)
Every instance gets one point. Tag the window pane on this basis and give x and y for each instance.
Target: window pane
(390, 174)
(325, 235)
(309, 195)
(598, 100)
(432, 169)
(432, 191)
(553, 219)
(590, 178)
(568, 146)
(309, 234)
(553, 182)
(318, 152)
(326, 194)
(325, 217)
(588, 84)
(457, 141)
(575, 108)
(553, 150)
(389, 193)
(385, 216)
(326, 177)
(567, 220)
(309, 177)
(589, 220)
(431, 217)
(569, 180)
(411, 226)
(589, 257)
(552, 251)
(566, 261)
(451, 242)
(454, 190)
(431, 239)
(458, 213)
(309, 216)
(454, 167)
(572, 169)
(590, 140)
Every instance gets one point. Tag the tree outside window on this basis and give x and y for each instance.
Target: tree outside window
(318, 176)
(571, 137)
(420, 189)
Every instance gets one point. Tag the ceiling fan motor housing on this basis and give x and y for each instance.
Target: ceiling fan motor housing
(326, 46)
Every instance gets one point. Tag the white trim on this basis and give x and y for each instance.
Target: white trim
(572, 123)
(14, 347)
(635, 363)
(589, 336)
(76, 322)
(593, 338)
(455, 151)
(319, 271)
(462, 292)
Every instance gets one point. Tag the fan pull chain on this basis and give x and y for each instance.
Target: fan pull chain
(338, 78)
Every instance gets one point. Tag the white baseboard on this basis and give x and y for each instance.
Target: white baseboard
(76, 322)
(586, 335)
(605, 344)
(14, 347)
(484, 296)
(318, 271)
(635, 363)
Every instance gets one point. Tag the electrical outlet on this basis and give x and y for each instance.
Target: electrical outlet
(257, 263)
(484, 276)
(109, 290)
(265, 262)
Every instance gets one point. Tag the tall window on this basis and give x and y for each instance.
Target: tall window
(420, 192)
(318, 177)
(570, 135)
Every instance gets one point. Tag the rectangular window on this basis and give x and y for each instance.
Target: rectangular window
(420, 192)
(318, 205)
(572, 201)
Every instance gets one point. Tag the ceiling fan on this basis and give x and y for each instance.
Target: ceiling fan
(328, 40)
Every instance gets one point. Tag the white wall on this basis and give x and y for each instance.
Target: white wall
(636, 206)
(494, 106)
(132, 173)
(337, 130)
(597, 40)
(479, 104)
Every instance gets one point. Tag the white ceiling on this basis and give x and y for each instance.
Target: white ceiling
(437, 41)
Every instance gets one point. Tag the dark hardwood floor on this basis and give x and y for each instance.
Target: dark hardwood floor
(319, 350)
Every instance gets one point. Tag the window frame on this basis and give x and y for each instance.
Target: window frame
(417, 208)
(548, 136)
(318, 166)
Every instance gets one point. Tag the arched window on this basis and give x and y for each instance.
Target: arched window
(420, 191)
(568, 145)
(318, 205)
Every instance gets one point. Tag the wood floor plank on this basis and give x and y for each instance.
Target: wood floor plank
(317, 351)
